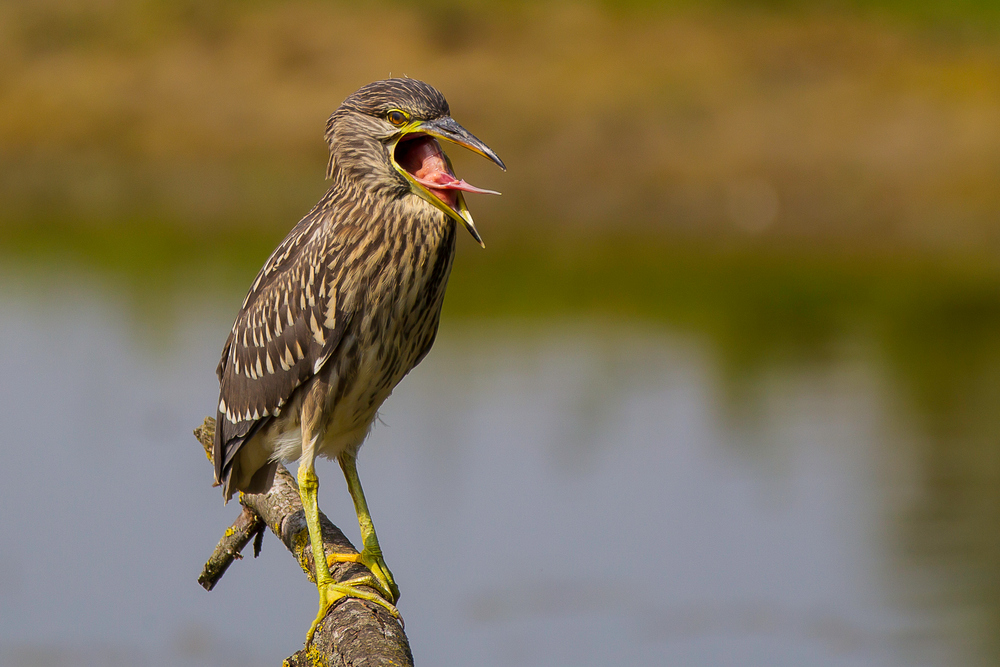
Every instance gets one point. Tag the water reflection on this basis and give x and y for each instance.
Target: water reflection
(548, 492)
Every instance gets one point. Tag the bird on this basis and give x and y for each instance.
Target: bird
(346, 305)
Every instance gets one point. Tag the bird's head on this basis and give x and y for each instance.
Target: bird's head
(385, 136)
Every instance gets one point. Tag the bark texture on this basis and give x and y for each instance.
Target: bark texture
(230, 547)
(355, 633)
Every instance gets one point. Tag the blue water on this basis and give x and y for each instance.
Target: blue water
(546, 493)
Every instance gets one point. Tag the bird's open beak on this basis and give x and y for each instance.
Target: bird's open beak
(419, 157)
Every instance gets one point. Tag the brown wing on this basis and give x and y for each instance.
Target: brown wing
(288, 327)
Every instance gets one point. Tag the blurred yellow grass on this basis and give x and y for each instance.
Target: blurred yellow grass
(818, 125)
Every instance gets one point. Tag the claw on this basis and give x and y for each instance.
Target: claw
(372, 559)
(331, 591)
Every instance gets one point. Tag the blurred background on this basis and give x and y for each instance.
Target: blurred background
(723, 388)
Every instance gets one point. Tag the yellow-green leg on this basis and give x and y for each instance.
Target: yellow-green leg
(371, 552)
(329, 590)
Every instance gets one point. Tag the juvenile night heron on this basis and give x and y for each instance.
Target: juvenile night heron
(344, 307)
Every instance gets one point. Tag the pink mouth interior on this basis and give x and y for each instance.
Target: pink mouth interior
(423, 158)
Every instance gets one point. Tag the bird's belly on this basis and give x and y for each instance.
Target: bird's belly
(352, 413)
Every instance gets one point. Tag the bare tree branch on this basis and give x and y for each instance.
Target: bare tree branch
(355, 632)
(246, 527)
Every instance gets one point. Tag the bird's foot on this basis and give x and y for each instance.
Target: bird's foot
(372, 559)
(330, 591)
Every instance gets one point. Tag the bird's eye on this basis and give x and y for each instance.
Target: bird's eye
(396, 117)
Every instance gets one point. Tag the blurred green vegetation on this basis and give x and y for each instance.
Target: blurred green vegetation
(834, 123)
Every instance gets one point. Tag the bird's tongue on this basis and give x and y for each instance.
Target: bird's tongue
(425, 161)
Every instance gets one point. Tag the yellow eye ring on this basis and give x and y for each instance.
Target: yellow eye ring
(397, 117)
